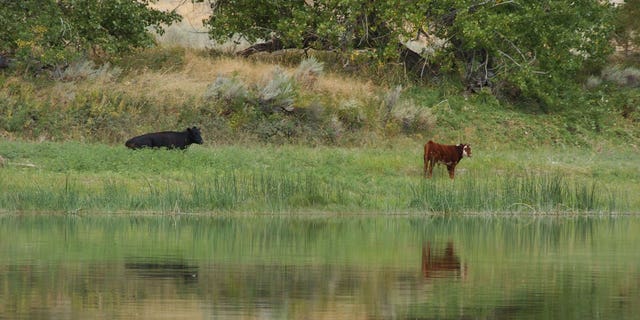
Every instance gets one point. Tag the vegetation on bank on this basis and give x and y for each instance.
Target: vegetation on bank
(77, 178)
(101, 88)
(289, 99)
(287, 134)
(76, 71)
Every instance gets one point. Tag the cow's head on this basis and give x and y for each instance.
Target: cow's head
(194, 135)
(466, 149)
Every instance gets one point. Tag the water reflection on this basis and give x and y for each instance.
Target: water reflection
(314, 268)
(441, 263)
(149, 268)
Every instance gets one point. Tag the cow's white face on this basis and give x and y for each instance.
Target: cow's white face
(466, 150)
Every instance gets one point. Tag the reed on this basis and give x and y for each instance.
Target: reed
(76, 177)
(539, 193)
(261, 192)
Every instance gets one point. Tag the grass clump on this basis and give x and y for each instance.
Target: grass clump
(87, 70)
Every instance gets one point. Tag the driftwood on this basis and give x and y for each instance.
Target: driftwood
(269, 46)
(414, 63)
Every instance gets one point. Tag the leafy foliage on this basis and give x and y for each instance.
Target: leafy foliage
(519, 48)
(536, 47)
(52, 32)
(628, 25)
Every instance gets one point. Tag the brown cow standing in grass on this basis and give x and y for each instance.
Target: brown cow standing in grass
(448, 155)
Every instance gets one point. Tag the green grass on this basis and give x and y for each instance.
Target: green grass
(76, 177)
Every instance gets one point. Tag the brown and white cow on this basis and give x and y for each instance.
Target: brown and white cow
(448, 155)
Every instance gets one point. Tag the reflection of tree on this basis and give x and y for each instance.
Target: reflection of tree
(441, 264)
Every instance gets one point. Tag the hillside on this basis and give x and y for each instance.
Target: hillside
(277, 99)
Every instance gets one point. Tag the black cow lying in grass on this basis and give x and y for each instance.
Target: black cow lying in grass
(166, 139)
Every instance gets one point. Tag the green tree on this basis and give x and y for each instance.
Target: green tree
(628, 25)
(524, 48)
(328, 24)
(530, 48)
(50, 32)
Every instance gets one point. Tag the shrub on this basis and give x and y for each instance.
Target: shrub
(628, 77)
(84, 69)
(390, 99)
(350, 114)
(278, 93)
(412, 118)
(308, 72)
(276, 128)
(227, 89)
(593, 82)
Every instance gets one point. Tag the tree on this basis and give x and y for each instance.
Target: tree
(628, 25)
(536, 47)
(528, 48)
(51, 32)
(328, 25)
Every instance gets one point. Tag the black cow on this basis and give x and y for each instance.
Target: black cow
(166, 139)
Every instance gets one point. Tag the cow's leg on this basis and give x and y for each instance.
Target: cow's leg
(432, 163)
(451, 169)
(429, 168)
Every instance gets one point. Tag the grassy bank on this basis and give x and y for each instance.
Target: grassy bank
(285, 99)
(288, 134)
(77, 177)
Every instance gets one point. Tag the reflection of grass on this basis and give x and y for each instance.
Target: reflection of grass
(74, 177)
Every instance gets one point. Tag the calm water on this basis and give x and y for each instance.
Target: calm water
(123, 267)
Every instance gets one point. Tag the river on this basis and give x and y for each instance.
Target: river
(313, 266)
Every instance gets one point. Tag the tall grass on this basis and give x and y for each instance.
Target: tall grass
(255, 192)
(260, 192)
(540, 193)
(77, 177)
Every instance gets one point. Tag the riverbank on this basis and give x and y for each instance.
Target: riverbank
(74, 177)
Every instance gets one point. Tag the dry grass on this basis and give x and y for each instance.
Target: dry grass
(199, 71)
(189, 81)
